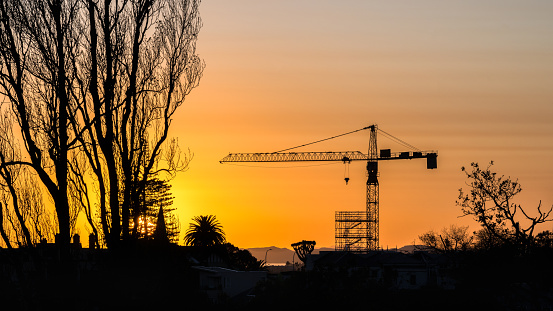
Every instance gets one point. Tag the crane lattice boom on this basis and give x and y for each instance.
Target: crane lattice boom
(320, 156)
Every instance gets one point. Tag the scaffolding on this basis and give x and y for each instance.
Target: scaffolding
(352, 232)
(358, 231)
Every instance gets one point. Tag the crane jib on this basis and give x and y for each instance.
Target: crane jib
(324, 156)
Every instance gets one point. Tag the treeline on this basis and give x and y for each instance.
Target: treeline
(505, 225)
(454, 239)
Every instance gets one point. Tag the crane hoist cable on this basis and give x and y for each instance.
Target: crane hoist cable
(346, 171)
(386, 134)
(399, 141)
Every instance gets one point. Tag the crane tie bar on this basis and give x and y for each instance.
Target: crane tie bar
(329, 138)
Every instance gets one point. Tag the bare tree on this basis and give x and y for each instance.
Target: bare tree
(35, 38)
(24, 220)
(90, 83)
(490, 202)
(450, 239)
(141, 64)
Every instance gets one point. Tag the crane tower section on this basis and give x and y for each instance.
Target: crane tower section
(359, 231)
(372, 192)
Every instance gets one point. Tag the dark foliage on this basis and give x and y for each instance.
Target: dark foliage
(340, 290)
(303, 249)
(450, 239)
(242, 259)
(490, 201)
(151, 277)
(485, 280)
(148, 277)
(146, 220)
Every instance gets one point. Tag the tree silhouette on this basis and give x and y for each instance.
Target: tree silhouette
(545, 239)
(156, 197)
(91, 87)
(486, 240)
(24, 220)
(489, 201)
(205, 231)
(303, 249)
(450, 239)
(242, 259)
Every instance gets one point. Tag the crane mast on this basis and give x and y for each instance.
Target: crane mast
(354, 231)
(372, 192)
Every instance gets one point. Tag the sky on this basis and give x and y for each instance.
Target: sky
(470, 79)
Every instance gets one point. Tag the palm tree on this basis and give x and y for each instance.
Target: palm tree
(204, 231)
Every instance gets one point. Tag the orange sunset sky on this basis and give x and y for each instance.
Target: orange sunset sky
(471, 79)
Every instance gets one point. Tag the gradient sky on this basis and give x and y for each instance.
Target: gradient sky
(471, 79)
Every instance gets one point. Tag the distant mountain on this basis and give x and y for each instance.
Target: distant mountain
(323, 249)
(278, 255)
(412, 248)
(274, 254)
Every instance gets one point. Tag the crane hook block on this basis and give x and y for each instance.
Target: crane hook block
(346, 179)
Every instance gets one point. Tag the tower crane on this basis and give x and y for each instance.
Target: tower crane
(354, 231)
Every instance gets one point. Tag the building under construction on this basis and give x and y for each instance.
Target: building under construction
(351, 231)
